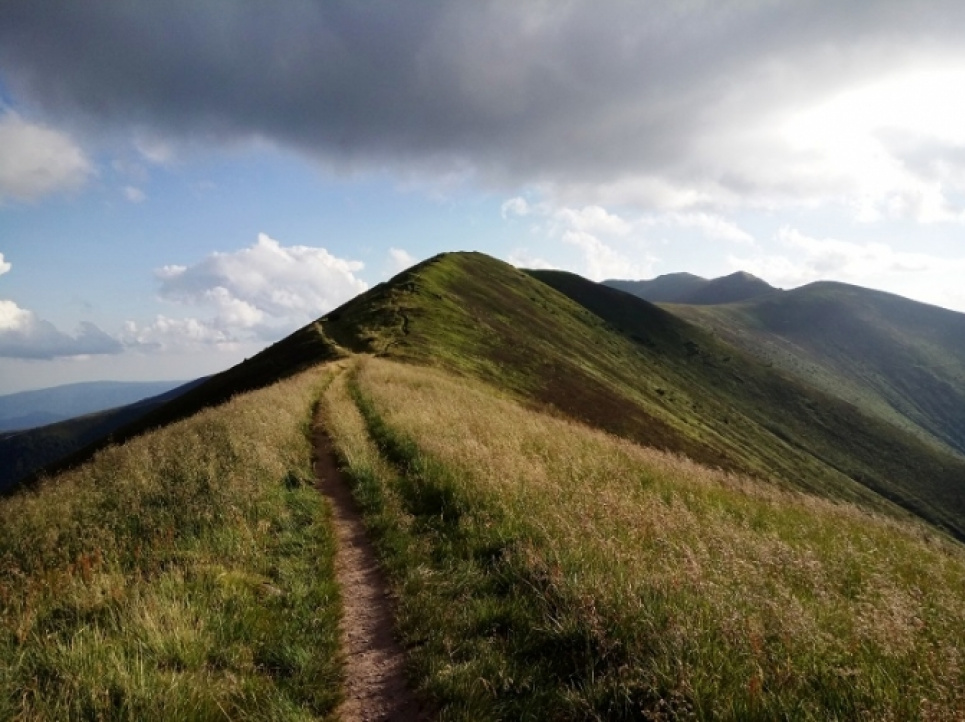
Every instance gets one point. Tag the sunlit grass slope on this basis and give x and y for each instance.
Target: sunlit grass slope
(797, 409)
(621, 364)
(24, 452)
(547, 570)
(62, 446)
(185, 575)
(476, 315)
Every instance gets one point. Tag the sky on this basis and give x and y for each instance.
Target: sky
(183, 183)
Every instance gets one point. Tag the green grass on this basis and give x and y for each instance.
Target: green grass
(897, 359)
(546, 570)
(187, 574)
(58, 447)
(788, 427)
(613, 361)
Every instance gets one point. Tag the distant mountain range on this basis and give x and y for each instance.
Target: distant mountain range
(28, 409)
(896, 359)
(691, 289)
(23, 452)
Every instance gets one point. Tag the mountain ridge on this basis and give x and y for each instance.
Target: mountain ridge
(614, 361)
(691, 289)
(898, 359)
(24, 452)
(475, 315)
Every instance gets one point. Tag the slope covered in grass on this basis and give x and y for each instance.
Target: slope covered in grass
(547, 570)
(897, 359)
(622, 365)
(22, 453)
(186, 574)
(897, 464)
(476, 315)
(641, 373)
(55, 448)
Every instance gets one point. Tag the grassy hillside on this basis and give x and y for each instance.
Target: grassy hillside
(184, 575)
(620, 364)
(51, 449)
(900, 360)
(629, 368)
(23, 453)
(895, 464)
(550, 571)
(589, 508)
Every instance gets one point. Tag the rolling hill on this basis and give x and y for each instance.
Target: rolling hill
(49, 449)
(22, 453)
(896, 359)
(617, 362)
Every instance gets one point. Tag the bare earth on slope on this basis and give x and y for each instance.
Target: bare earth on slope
(375, 686)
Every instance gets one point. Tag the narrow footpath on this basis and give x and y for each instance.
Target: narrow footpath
(375, 686)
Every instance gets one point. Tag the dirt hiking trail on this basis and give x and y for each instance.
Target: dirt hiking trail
(375, 684)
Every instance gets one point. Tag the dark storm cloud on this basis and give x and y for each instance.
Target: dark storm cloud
(556, 91)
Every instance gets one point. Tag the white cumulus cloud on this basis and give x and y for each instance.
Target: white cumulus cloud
(24, 335)
(177, 334)
(260, 292)
(522, 258)
(601, 260)
(12, 317)
(593, 219)
(36, 161)
(517, 206)
(710, 225)
(609, 244)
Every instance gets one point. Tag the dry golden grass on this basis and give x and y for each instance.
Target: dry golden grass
(687, 591)
(184, 575)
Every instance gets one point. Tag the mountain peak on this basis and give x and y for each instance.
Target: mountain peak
(690, 289)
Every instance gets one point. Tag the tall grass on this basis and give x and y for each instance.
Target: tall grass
(187, 574)
(551, 571)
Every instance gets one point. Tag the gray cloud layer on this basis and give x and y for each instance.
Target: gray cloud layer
(565, 92)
